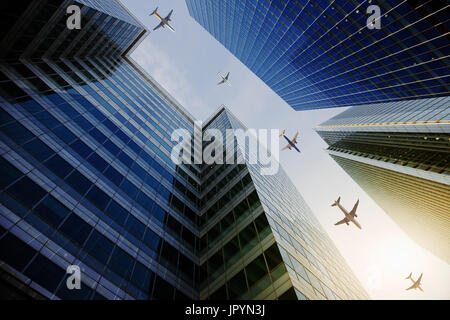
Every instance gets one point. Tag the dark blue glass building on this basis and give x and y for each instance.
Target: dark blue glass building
(86, 175)
(322, 54)
(86, 179)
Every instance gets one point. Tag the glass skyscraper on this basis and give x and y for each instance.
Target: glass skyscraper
(86, 179)
(263, 241)
(399, 154)
(322, 54)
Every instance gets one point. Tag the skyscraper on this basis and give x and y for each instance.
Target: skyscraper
(87, 180)
(324, 54)
(266, 217)
(399, 154)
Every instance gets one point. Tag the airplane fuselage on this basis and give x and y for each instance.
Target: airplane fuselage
(223, 78)
(416, 284)
(160, 18)
(164, 21)
(291, 144)
(348, 216)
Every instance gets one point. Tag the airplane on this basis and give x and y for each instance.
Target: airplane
(224, 79)
(416, 284)
(291, 143)
(164, 21)
(349, 216)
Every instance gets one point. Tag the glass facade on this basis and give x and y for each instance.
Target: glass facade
(261, 239)
(86, 179)
(321, 54)
(399, 154)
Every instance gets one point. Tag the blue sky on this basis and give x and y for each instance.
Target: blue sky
(186, 63)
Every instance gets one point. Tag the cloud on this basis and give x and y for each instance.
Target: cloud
(252, 100)
(172, 78)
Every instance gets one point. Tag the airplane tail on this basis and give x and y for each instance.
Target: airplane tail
(336, 202)
(154, 11)
(409, 277)
(282, 135)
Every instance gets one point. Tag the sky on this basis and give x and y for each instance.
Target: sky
(186, 64)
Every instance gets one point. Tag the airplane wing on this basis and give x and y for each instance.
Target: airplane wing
(420, 279)
(169, 15)
(412, 287)
(341, 222)
(353, 212)
(221, 82)
(295, 138)
(159, 26)
(285, 148)
(227, 76)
